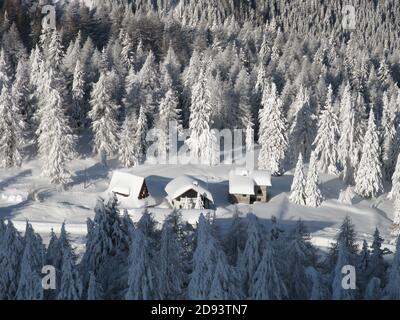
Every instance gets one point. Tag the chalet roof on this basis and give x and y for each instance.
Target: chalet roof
(126, 184)
(242, 181)
(184, 183)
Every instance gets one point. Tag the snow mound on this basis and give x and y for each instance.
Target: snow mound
(13, 196)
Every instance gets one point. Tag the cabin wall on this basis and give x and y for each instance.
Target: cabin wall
(261, 195)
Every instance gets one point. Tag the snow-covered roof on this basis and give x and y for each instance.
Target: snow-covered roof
(182, 184)
(126, 184)
(241, 185)
(261, 177)
(242, 181)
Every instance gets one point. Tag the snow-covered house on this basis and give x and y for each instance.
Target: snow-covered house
(247, 186)
(186, 192)
(131, 190)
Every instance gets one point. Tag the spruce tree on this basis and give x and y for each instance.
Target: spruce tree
(298, 192)
(392, 289)
(268, 283)
(104, 119)
(302, 132)
(11, 249)
(253, 251)
(55, 139)
(272, 135)
(212, 277)
(202, 141)
(70, 283)
(312, 191)
(327, 137)
(369, 173)
(30, 278)
(144, 278)
(78, 96)
(172, 264)
(11, 131)
(94, 291)
(343, 259)
(128, 151)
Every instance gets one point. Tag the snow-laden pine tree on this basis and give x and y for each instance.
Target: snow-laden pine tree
(348, 135)
(149, 82)
(11, 248)
(103, 115)
(318, 290)
(171, 68)
(326, 141)
(78, 95)
(302, 131)
(140, 141)
(312, 190)
(363, 263)
(243, 87)
(395, 228)
(224, 285)
(369, 174)
(131, 99)
(5, 70)
(144, 278)
(21, 91)
(106, 250)
(373, 291)
(388, 128)
(298, 188)
(300, 254)
(377, 264)
(272, 132)
(171, 263)
(11, 130)
(202, 142)
(94, 291)
(338, 292)
(35, 61)
(347, 237)
(55, 50)
(235, 240)
(392, 289)
(127, 52)
(56, 142)
(190, 77)
(268, 283)
(395, 192)
(128, 152)
(169, 113)
(70, 282)
(30, 277)
(252, 254)
(211, 277)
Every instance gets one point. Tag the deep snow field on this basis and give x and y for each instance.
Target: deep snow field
(21, 189)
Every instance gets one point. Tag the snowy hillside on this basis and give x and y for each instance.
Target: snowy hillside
(91, 180)
(199, 149)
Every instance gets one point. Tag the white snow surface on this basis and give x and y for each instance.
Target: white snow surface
(46, 207)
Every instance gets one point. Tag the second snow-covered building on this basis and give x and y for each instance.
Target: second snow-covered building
(247, 186)
(186, 192)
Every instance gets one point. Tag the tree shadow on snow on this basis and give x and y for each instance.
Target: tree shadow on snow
(10, 211)
(223, 224)
(8, 181)
(89, 175)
